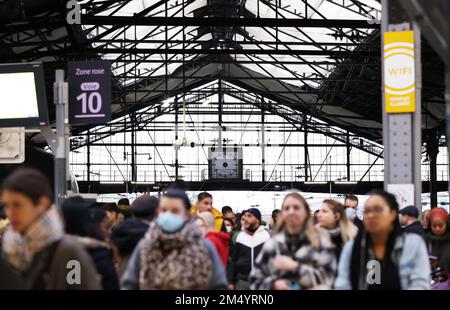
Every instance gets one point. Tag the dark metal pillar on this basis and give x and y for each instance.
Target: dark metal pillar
(305, 133)
(220, 113)
(177, 107)
(432, 140)
(447, 95)
(263, 142)
(133, 149)
(349, 148)
(88, 155)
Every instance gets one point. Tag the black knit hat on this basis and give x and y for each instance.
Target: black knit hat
(256, 213)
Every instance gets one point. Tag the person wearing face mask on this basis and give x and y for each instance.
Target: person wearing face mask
(173, 255)
(438, 245)
(299, 256)
(382, 256)
(334, 222)
(351, 202)
(350, 213)
(249, 243)
(220, 240)
(230, 228)
(35, 251)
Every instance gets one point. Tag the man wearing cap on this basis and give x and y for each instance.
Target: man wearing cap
(409, 219)
(249, 243)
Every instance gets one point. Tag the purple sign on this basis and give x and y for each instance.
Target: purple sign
(89, 92)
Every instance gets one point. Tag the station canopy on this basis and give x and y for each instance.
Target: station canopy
(316, 57)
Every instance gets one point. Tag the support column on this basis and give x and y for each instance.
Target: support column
(177, 108)
(220, 114)
(402, 131)
(88, 155)
(348, 148)
(432, 140)
(133, 149)
(447, 96)
(263, 142)
(305, 137)
(60, 169)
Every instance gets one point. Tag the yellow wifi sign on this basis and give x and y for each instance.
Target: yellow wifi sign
(399, 74)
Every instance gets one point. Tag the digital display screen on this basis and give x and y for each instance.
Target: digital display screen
(23, 102)
(18, 96)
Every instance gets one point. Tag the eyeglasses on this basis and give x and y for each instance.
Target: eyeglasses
(377, 210)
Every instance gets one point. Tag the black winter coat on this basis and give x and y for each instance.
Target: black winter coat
(440, 247)
(244, 253)
(102, 257)
(414, 228)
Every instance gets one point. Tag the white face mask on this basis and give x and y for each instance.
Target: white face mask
(351, 213)
(229, 229)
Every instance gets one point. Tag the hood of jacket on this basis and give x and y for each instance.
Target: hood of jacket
(218, 217)
(221, 237)
(90, 243)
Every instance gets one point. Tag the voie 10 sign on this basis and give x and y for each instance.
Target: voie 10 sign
(89, 92)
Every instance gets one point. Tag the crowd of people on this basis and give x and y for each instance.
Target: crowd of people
(168, 243)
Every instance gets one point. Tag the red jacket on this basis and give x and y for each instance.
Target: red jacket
(221, 243)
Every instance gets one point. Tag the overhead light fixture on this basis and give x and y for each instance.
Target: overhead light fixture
(316, 183)
(346, 182)
(111, 182)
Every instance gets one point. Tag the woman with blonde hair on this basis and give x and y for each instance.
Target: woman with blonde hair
(333, 220)
(298, 256)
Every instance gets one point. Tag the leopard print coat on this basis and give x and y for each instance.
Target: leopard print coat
(177, 261)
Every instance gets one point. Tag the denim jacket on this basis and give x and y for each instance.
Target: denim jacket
(410, 255)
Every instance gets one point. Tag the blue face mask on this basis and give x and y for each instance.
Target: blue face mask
(170, 222)
(351, 213)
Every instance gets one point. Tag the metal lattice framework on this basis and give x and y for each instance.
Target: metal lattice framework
(314, 63)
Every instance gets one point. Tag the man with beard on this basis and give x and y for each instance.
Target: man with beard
(249, 243)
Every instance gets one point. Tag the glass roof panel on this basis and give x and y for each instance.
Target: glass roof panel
(132, 65)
